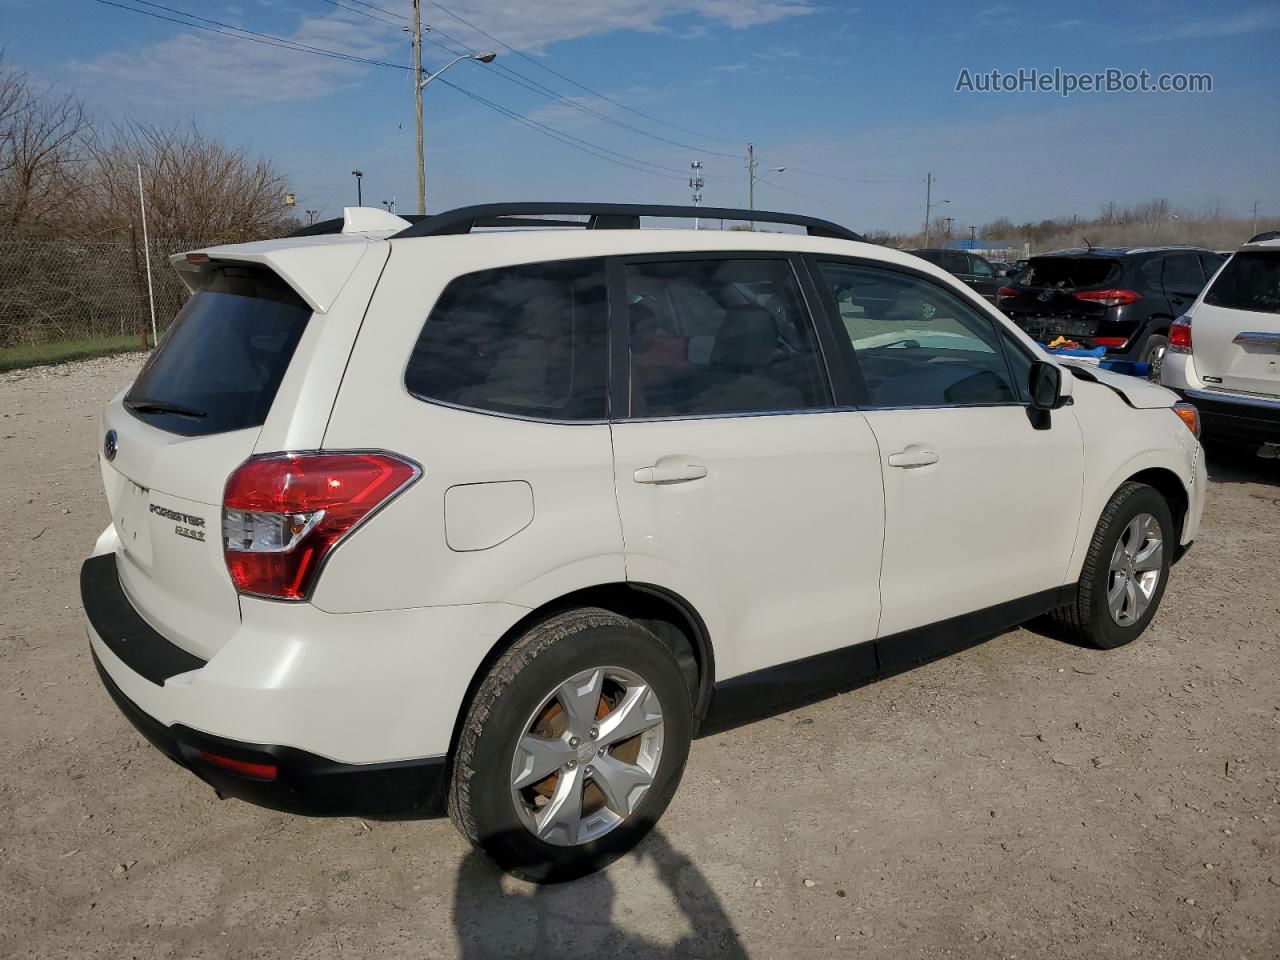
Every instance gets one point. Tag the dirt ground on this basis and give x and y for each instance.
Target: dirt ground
(1025, 798)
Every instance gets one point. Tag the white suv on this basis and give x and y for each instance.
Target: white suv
(406, 513)
(1224, 353)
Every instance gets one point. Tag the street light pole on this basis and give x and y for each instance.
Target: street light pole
(752, 178)
(422, 78)
(359, 195)
(417, 103)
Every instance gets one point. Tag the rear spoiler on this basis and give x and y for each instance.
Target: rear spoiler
(315, 271)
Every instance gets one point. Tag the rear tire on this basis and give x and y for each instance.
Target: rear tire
(1153, 353)
(1125, 571)
(525, 719)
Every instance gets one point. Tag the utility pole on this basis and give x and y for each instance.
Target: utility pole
(948, 221)
(417, 103)
(928, 206)
(973, 236)
(1254, 231)
(359, 175)
(695, 184)
(751, 179)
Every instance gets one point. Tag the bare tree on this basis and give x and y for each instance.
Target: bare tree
(197, 189)
(41, 149)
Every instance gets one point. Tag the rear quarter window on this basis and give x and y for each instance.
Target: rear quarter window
(221, 362)
(1249, 281)
(527, 340)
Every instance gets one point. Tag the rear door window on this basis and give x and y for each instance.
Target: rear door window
(751, 349)
(1249, 281)
(221, 362)
(527, 340)
(1068, 273)
(980, 267)
(1182, 273)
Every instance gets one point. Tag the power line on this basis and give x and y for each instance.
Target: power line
(580, 86)
(250, 35)
(585, 146)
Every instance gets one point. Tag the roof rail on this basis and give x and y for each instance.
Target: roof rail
(1265, 236)
(602, 216)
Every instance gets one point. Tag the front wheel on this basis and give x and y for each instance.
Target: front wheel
(1125, 570)
(572, 746)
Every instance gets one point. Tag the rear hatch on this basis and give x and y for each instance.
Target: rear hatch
(192, 416)
(1235, 331)
(1045, 304)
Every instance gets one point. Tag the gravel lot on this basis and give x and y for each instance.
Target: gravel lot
(1024, 798)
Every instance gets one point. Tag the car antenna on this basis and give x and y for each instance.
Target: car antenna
(1087, 243)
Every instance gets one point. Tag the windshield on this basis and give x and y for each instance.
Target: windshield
(219, 365)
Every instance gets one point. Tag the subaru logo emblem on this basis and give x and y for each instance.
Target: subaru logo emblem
(109, 445)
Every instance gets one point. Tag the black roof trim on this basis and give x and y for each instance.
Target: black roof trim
(1264, 236)
(602, 216)
(325, 227)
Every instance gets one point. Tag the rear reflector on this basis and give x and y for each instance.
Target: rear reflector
(1108, 298)
(245, 768)
(1180, 335)
(1110, 341)
(283, 514)
(1004, 293)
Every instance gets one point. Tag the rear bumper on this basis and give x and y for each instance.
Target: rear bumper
(302, 782)
(1235, 418)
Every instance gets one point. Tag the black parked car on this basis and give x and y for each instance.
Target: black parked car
(974, 270)
(1121, 298)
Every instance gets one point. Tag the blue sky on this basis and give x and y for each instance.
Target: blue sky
(856, 101)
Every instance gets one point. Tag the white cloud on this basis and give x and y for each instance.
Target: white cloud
(1247, 21)
(195, 64)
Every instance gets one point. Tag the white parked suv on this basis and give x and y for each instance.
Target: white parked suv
(412, 513)
(1224, 353)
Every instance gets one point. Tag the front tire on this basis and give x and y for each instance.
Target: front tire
(1125, 570)
(572, 746)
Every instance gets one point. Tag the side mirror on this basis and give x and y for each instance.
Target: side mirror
(1046, 386)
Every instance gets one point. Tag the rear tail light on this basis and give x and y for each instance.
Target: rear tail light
(1004, 293)
(1108, 298)
(1110, 341)
(1180, 334)
(283, 514)
(1189, 415)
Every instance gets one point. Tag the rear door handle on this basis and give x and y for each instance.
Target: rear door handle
(670, 473)
(913, 457)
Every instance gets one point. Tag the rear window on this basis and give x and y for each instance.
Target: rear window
(1068, 273)
(528, 340)
(220, 363)
(1249, 281)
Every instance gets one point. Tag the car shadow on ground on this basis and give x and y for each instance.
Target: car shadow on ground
(1230, 464)
(496, 917)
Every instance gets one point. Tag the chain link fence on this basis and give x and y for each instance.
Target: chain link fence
(67, 291)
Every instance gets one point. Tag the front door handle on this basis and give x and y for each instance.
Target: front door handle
(670, 473)
(913, 457)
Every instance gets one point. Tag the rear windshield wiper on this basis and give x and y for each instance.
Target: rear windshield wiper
(160, 406)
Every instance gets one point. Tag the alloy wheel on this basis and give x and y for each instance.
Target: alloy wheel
(587, 756)
(1137, 563)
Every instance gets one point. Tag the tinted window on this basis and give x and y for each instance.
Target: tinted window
(1249, 281)
(1068, 273)
(916, 343)
(720, 337)
(1182, 272)
(222, 360)
(526, 340)
(980, 267)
